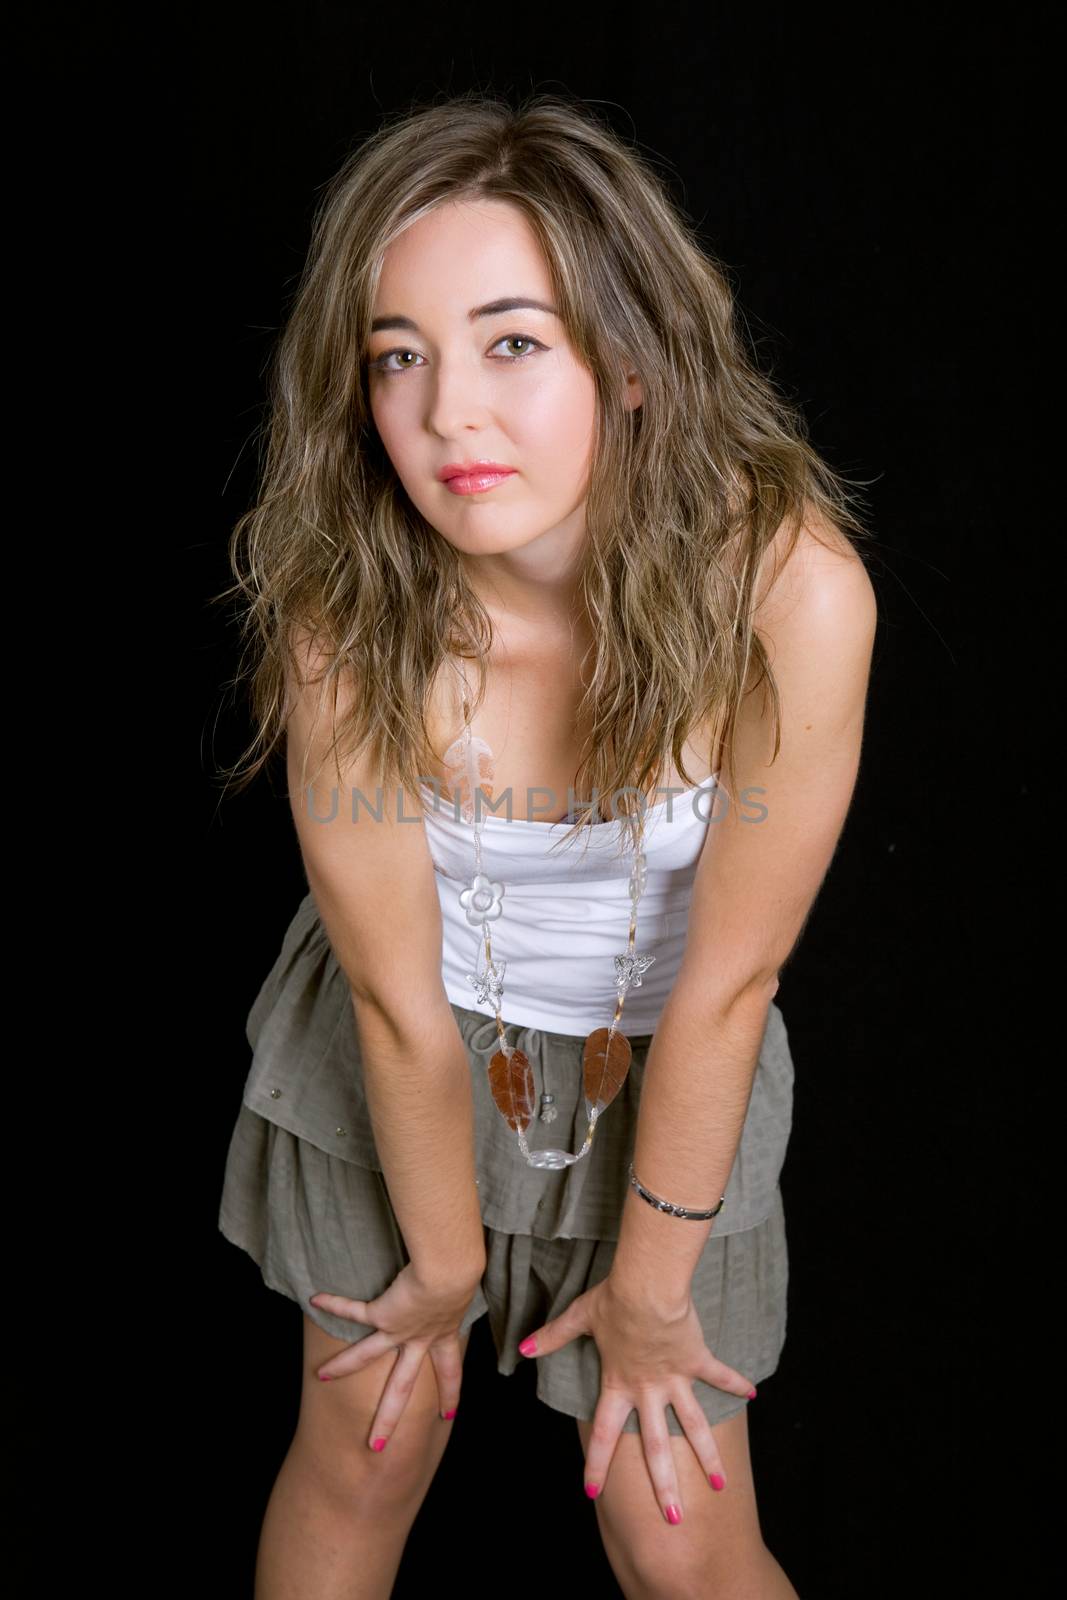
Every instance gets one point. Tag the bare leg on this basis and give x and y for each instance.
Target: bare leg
(715, 1553)
(339, 1514)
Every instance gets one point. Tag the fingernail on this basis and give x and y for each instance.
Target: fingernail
(379, 1444)
(673, 1514)
(751, 1395)
(324, 1377)
(716, 1480)
(449, 1415)
(528, 1347)
(592, 1490)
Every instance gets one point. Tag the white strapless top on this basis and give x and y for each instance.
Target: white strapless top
(566, 913)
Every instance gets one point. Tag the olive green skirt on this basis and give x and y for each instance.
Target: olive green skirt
(304, 1194)
(314, 1222)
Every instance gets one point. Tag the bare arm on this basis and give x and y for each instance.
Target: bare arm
(373, 884)
(755, 886)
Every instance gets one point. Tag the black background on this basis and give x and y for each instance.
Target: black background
(870, 192)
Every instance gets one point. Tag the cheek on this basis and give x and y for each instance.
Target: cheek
(385, 419)
(398, 436)
(555, 424)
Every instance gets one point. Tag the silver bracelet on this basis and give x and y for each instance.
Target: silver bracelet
(666, 1205)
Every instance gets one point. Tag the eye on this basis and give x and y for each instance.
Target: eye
(380, 363)
(380, 366)
(520, 338)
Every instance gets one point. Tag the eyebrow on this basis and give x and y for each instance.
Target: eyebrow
(494, 308)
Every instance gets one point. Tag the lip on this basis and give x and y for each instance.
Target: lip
(467, 469)
(473, 477)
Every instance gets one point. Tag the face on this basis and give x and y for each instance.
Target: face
(503, 386)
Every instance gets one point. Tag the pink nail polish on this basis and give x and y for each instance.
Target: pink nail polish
(379, 1444)
(528, 1347)
(751, 1395)
(673, 1514)
(449, 1415)
(592, 1490)
(716, 1480)
(325, 1377)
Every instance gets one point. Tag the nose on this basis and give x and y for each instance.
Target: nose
(461, 398)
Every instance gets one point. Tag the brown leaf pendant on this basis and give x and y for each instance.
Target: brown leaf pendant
(513, 1088)
(605, 1067)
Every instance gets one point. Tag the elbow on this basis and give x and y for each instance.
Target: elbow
(404, 1023)
(759, 990)
(717, 996)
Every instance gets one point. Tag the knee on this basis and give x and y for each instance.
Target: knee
(668, 1577)
(332, 1445)
(343, 1472)
(691, 1572)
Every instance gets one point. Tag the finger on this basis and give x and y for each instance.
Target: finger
(337, 1305)
(701, 1436)
(720, 1376)
(659, 1457)
(448, 1365)
(396, 1394)
(357, 1356)
(552, 1336)
(344, 1365)
(610, 1416)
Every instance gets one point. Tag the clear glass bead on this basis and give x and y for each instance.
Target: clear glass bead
(549, 1112)
(482, 899)
(628, 970)
(638, 877)
(550, 1160)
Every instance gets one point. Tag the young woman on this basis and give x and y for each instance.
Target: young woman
(533, 530)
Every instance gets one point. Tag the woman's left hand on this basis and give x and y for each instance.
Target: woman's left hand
(649, 1357)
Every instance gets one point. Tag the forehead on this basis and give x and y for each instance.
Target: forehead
(461, 254)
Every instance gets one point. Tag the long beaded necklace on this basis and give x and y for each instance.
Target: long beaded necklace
(607, 1054)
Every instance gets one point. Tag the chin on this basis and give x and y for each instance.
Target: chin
(485, 541)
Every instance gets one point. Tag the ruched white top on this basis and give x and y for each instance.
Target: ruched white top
(566, 913)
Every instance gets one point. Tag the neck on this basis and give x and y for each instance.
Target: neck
(528, 597)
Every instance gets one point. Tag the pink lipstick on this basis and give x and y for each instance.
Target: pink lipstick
(473, 477)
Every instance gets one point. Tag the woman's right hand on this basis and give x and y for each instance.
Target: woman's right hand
(414, 1315)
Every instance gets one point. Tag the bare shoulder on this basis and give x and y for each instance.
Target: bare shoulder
(309, 664)
(321, 698)
(820, 589)
(369, 869)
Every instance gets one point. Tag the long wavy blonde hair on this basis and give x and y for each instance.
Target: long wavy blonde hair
(686, 493)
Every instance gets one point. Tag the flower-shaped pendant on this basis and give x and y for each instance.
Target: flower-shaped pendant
(482, 900)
